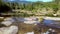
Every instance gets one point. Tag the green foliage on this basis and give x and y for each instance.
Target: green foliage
(0, 2)
(34, 6)
(34, 10)
(51, 15)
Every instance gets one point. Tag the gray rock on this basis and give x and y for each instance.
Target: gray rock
(8, 21)
(9, 30)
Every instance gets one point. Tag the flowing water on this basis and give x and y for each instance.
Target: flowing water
(39, 28)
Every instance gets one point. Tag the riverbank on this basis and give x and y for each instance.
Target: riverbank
(52, 18)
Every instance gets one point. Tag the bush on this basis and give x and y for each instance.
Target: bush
(51, 15)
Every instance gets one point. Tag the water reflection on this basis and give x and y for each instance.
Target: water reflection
(48, 21)
(51, 23)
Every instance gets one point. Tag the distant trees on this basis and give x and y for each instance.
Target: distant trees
(33, 7)
(0, 2)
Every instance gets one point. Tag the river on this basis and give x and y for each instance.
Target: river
(36, 28)
(39, 28)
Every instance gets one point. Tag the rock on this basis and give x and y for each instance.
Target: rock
(9, 19)
(1, 32)
(9, 30)
(50, 29)
(31, 22)
(31, 19)
(1, 17)
(29, 33)
(6, 23)
(54, 14)
(47, 32)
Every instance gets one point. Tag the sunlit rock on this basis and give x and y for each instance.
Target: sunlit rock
(54, 14)
(31, 22)
(6, 23)
(53, 30)
(1, 17)
(9, 30)
(50, 29)
(47, 32)
(9, 19)
(29, 33)
(1, 32)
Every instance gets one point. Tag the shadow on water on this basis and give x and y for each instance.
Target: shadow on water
(51, 23)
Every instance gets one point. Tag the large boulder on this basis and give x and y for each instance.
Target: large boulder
(8, 21)
(9, 30)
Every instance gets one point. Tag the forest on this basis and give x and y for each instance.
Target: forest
(44, 8)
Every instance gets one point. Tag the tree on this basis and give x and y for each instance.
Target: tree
(4, 7)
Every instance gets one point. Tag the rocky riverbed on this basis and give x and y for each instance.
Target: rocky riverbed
(17, 26)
